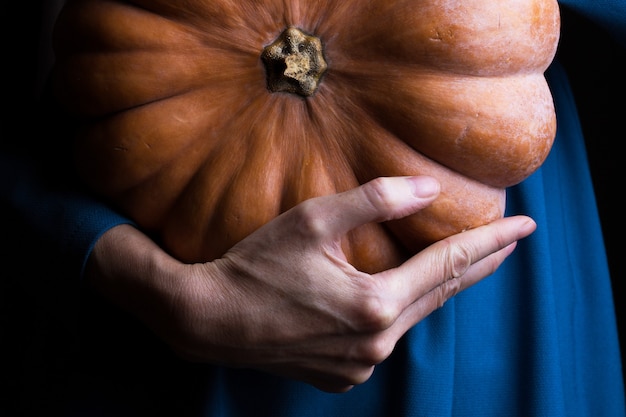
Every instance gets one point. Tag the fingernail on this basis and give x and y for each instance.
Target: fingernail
(424, 187)
(529, 226)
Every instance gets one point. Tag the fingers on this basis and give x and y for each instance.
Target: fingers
(354, 319)
(457, 262)
(379, 200)
(334, 376)
(437, 297)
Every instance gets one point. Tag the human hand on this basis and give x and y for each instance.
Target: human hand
(284, 300)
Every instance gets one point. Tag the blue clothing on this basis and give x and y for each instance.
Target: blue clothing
(538, 338)
(69, 220)
(608, 14)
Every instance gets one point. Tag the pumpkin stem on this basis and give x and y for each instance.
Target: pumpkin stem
(294, 63)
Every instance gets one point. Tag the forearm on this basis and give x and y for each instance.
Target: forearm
(131, 271)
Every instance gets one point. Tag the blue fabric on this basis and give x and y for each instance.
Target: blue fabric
(66, 219)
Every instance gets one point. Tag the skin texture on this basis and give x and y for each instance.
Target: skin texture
(178, 130)
(285, 301)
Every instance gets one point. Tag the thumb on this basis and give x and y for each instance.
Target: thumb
(381, 199)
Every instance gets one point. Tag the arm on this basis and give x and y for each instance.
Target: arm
(285, 301)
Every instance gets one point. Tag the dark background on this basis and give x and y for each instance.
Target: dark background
(596, 66)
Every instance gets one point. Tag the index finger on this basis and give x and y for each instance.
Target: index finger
(457, 257)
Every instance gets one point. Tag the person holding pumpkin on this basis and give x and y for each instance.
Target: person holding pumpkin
(281, 323)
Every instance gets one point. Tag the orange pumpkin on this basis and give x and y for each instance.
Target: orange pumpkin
(203, 120)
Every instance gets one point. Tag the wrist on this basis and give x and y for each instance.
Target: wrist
(131, 271)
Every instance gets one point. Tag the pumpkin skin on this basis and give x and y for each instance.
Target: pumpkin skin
(177, 128)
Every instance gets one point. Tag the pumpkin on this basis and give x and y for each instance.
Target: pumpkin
(203, 120)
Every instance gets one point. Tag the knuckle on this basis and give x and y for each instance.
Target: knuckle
(457, 258)
(377, 350)
(375, 315)
(355, 376)
(343, 377)
(309, 223)
(447, 290)
(379, 194)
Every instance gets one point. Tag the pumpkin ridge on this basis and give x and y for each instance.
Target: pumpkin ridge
(457, 36)
(463, 133)
(110, 136)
